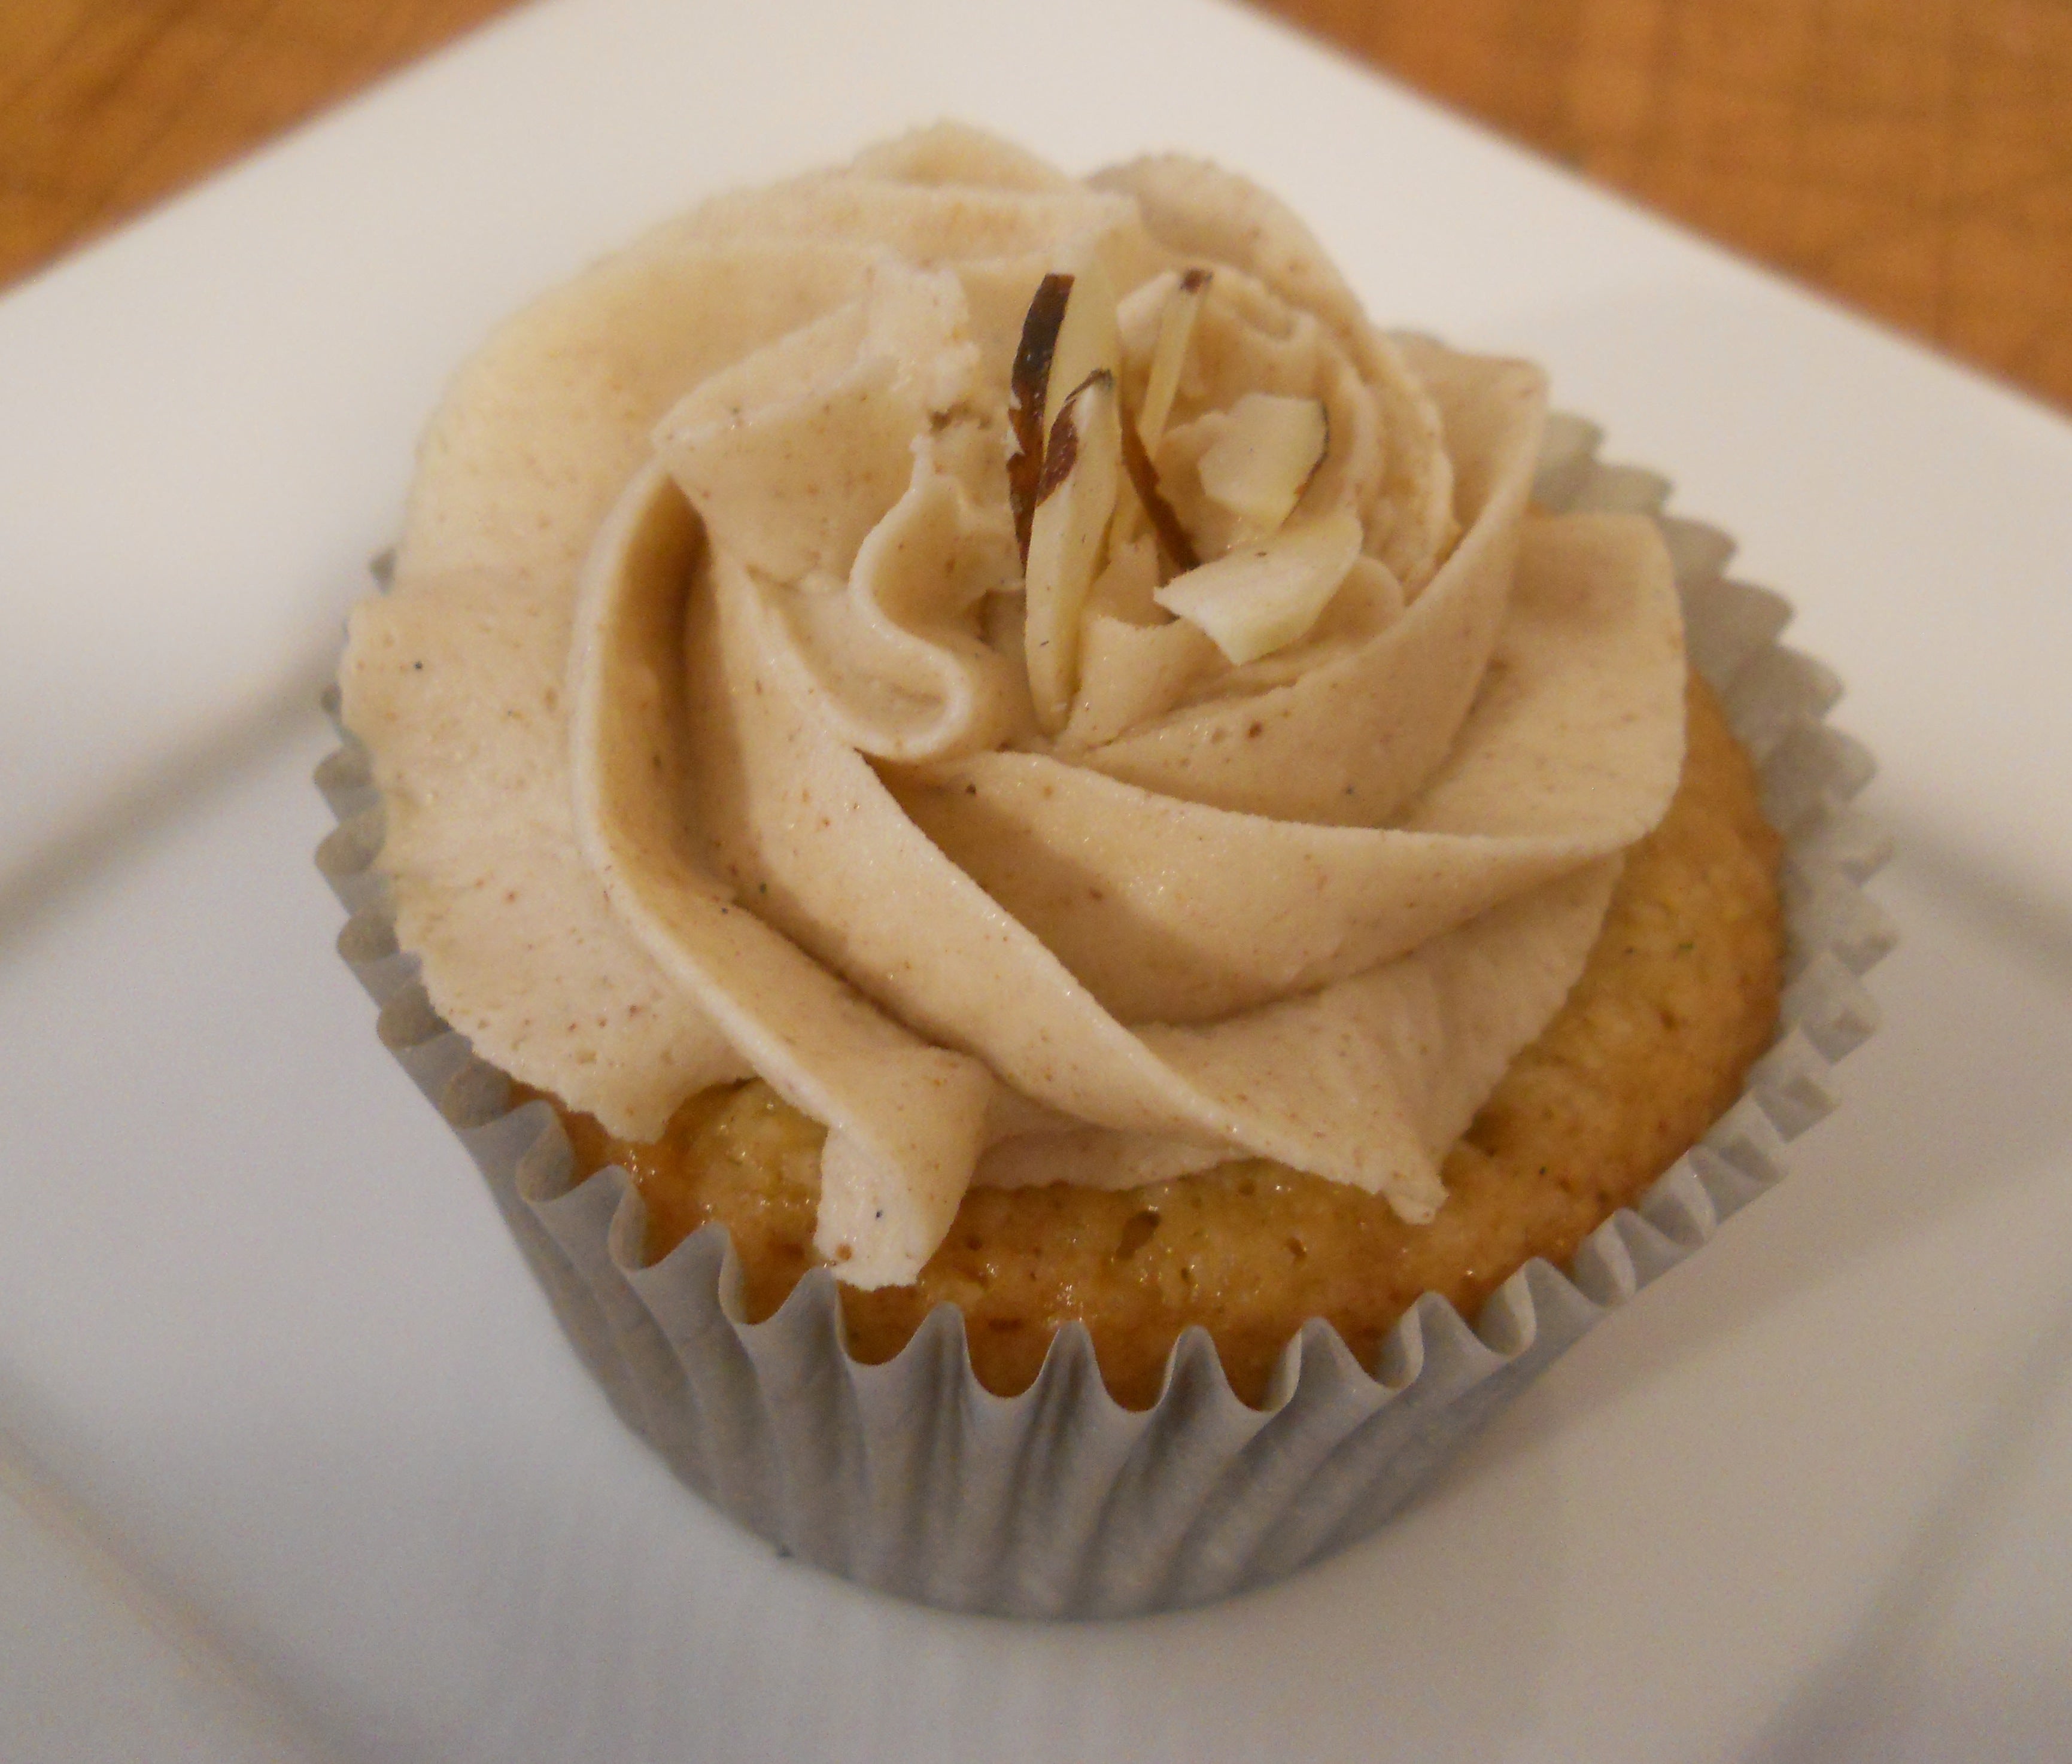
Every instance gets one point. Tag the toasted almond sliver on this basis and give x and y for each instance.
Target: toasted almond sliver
(1168, 355)
(1027, 384)
(1261, 464)
(1089, 339)
(1174, 544)
(1260, 598)
(1082, 478)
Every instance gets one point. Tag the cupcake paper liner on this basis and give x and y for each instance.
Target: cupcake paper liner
(912, 1477)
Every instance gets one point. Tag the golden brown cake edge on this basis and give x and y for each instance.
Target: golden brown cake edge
(1678, 1000)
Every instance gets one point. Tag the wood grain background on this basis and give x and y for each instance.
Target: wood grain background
(1913, 157)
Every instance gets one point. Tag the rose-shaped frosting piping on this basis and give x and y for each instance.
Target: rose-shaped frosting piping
(702, 712)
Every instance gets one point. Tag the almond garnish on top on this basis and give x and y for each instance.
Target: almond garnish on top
(1259, 598)
(1075, 500)
(1169, 354)
(1076, 442)
(1259, 468)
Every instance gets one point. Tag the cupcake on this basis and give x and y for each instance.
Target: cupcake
(1035, 858)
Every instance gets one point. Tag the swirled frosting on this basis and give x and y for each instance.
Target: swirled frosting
(701, 707)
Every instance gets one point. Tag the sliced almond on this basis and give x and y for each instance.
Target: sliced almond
(1069, 332)
(1174, 542)
(1089, 339)
(1075, 501)
(1168, 355)
(1262, 597)
(1026, 385)
(1264, 461)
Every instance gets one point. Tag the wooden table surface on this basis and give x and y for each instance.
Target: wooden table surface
(1913, 157)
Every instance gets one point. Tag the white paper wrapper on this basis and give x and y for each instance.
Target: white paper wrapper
(912, 1477)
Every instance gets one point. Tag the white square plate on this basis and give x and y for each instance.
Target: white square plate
(295, 1462)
